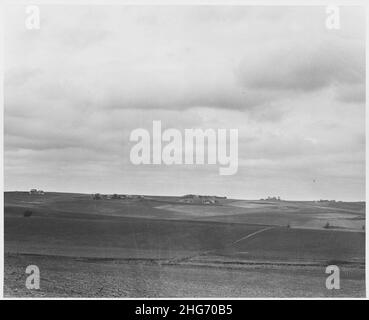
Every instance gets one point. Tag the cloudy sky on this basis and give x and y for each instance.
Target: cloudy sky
(77, 87)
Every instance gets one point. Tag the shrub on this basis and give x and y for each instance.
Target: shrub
(27, 213)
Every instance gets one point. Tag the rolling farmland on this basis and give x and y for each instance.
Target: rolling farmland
(158, 246)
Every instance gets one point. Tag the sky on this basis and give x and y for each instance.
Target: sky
(76, 88)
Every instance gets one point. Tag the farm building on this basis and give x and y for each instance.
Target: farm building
(208, 201)
(199, 199)
(35, 191)
(115, 196)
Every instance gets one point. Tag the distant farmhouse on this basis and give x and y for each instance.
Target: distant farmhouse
(209, 201)
(35, 192)
(115, 196)
(189, 198)
(199, 199)
(272, 199)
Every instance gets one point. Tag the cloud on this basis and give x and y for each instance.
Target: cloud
(76, 88)
(304, 65)
(352, 93)
(165, 58)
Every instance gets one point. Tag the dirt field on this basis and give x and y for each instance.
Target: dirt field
(71, 277)
(146, 248)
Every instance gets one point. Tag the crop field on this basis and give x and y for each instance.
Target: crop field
(151, 247)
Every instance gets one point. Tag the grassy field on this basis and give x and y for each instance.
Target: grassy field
(160, 247)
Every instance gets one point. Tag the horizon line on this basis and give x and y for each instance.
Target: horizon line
(181, 195)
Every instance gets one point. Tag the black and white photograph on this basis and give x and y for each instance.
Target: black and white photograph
(184, 151)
